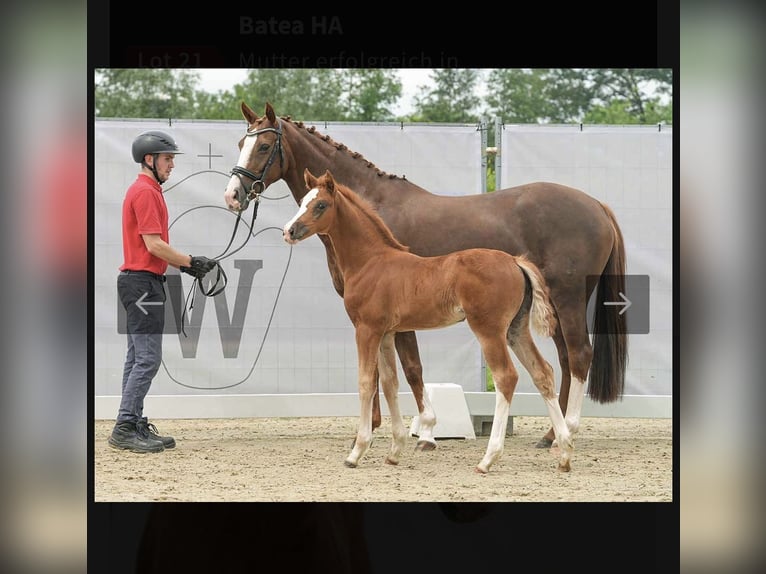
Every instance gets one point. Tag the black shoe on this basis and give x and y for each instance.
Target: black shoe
(128, 436)
(145, 426)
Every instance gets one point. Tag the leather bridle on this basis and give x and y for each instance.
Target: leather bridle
(257, 187)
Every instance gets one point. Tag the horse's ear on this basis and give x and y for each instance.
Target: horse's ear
(311, 181)
(249, 115)
(272, 117)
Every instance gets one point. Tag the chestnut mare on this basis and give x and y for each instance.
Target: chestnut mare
(565, 232)
(389, 290)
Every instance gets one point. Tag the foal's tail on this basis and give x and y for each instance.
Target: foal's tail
(610, 339)
(543, 317)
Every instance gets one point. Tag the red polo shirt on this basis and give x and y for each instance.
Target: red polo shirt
(144, 211)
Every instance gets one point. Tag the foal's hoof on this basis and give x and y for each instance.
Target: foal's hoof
(564, 467)
(480, 470)
(392, 462)
(544, 443)
(424, 445)
(349, 464)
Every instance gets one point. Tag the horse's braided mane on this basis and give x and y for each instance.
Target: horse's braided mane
(369, 211)
(342, 147)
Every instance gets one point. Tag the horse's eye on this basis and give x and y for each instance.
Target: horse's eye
(264, 147)
(321, 206)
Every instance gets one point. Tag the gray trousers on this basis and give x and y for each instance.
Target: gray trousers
(145, 325)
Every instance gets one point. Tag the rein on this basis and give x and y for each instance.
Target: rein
(254, 195)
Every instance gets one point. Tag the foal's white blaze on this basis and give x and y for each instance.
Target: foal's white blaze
(244, 155)
(307, 199)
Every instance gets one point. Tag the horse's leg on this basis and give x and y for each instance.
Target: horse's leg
(580, 358)
(571, 308)
(367, 343)
(390, 384)
(542, 375)
(407, 349)
(505, 376)
(566, 378)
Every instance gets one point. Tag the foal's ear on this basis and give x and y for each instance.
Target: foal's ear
(329, 181)
(311, 181)
(250, 116)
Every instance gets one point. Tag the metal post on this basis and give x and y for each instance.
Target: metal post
(499, 152)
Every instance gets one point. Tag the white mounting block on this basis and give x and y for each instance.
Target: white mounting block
(453, 420)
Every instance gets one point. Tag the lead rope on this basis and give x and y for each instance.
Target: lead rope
(252, 195)
(221, 279)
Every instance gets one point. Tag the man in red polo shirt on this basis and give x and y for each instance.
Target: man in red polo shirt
(140, 283)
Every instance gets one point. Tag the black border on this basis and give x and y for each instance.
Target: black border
(598, 535)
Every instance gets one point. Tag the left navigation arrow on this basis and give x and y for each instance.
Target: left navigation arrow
(141, 303)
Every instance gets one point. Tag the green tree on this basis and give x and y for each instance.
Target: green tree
(565, 95)
(223, 105)
(145, 93)
(515, 95)
(370, 94)
(620, 112)
(450, 99)
(525, 95)
(633, 88)
(304, 94)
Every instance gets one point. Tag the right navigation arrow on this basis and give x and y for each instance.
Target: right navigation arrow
(625, 303)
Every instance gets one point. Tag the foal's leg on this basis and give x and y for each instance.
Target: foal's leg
(390, 384)
(542, 375)
(367, 344)
(376, 420)
(337, 282)
(505, 376)
(407, 349)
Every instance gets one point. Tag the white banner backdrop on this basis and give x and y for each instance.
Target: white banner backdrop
(279, 327)
(630, 168)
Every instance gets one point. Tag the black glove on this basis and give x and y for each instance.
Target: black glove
(200, 265)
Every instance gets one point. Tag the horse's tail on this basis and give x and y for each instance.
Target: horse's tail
(610, 340)
(543, 316)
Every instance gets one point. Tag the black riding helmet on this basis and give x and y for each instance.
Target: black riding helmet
(153, 142)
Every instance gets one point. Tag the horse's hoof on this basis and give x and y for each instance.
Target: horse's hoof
(424, 445)
(544, 443)
(392, 462)
(349, 464)
(480, 470)
(564, 467)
